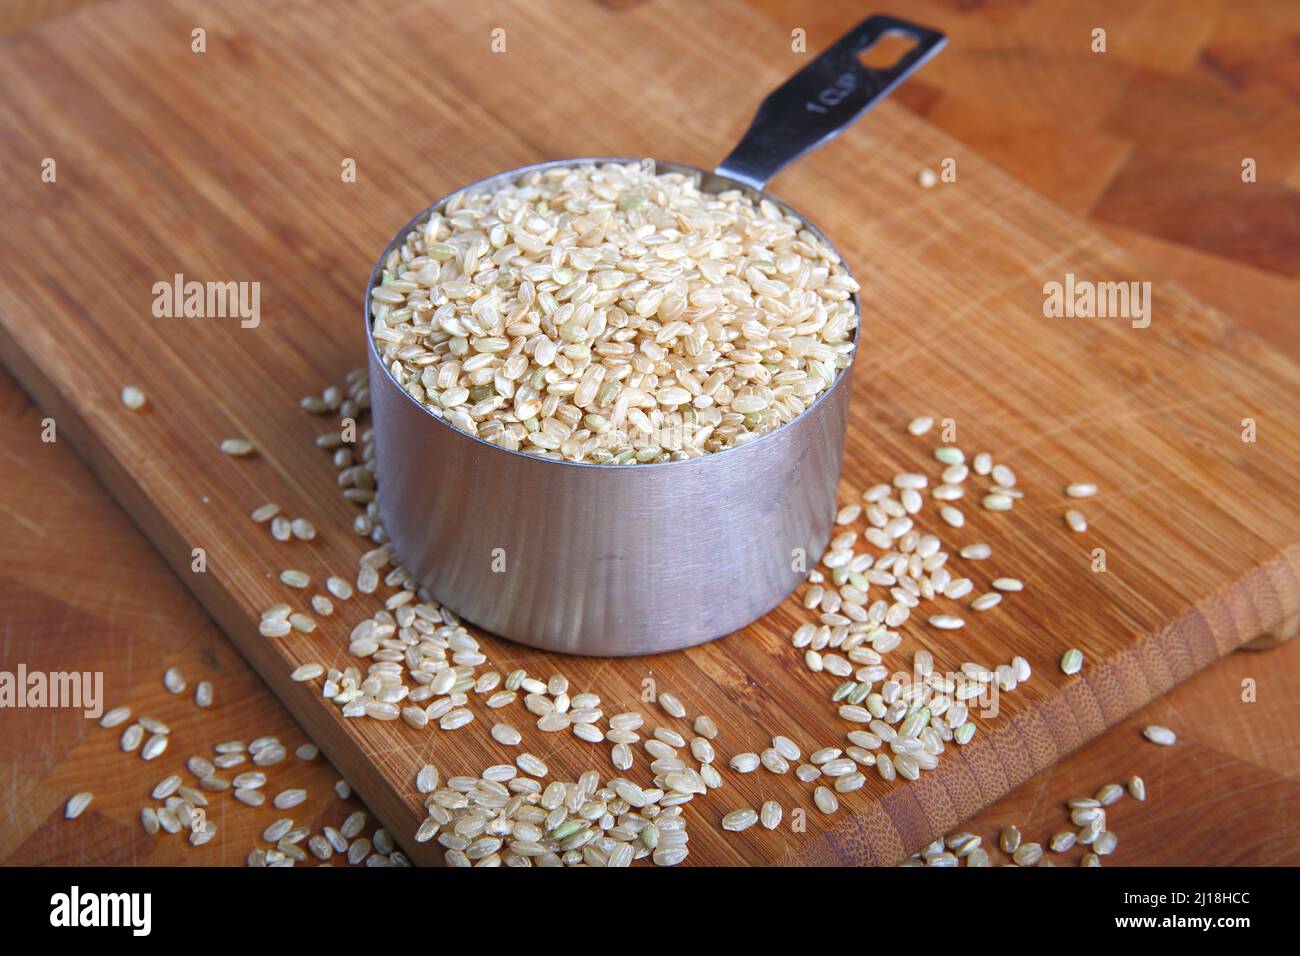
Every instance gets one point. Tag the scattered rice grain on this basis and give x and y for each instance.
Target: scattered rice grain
(236, 447)
(1160, 735)
(77, 804)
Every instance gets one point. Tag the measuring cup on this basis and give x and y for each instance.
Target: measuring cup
(617, 560)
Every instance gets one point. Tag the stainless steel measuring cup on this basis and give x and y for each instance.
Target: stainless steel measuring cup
(615, 560)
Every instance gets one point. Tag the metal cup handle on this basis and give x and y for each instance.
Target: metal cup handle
(824, 98)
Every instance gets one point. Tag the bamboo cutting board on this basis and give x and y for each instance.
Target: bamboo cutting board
(225, 165)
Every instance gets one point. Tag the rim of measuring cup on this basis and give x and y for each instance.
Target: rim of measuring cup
(705, 176)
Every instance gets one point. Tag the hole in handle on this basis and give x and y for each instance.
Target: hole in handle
(888, 50)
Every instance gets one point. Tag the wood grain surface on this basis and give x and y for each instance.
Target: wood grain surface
(83, 590)
(1153, 413)
(1144, 141)
(1228, 795)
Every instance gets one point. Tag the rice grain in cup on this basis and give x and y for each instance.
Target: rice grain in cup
(606, 314)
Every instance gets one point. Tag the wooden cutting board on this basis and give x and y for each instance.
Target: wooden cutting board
(1249, 815)
(225, 166)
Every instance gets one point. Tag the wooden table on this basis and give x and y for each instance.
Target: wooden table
(1134, 197)
(82, 589)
